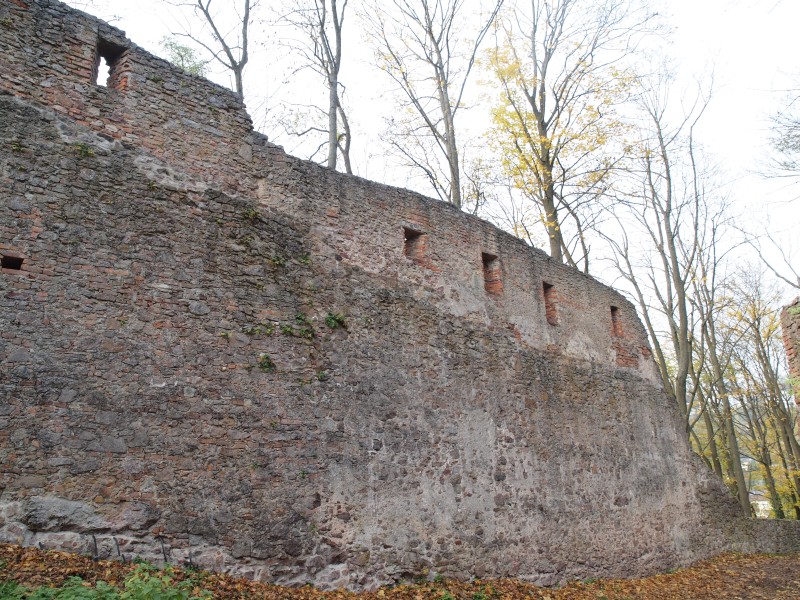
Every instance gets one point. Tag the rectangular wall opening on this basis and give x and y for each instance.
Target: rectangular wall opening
(550, 309)
(616, 326)
(11, 262)
(414, 245)
(106, 61)
(492, 274)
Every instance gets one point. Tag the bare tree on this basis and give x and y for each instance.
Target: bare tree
(769, 412)
(229, 47)
(674, 275)
(428, 50)
(775, 253)
(320, 24)
(718, 356)
(786, 137)
(780, 262)
(669, 210)
(558, 69)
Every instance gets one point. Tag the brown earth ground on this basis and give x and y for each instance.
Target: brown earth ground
(728, 576)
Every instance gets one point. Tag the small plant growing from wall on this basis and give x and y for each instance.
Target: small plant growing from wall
(250, 213)
(278, 261)
(305, 330)
(334, 320)
(84, 150)
(259, 329)
(266, 364)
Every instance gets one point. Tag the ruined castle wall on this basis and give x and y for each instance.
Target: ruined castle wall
(450, 271)
(51, 54)
(172, 367)
(790, 325)
(187, 121)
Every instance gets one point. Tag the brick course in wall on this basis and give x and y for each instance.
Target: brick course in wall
(211, 348)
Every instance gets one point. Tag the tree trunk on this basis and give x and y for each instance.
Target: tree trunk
(450, 147)
(774, 498)
(345, 148)
(238, 78)
(712, 443)
(730, 431)
(787, 472)
(551, 220)
(333, 133)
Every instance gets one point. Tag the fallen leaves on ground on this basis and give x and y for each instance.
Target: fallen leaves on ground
(729, 576)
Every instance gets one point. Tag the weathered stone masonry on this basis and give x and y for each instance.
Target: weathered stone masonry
(173, 365)
(790, 326)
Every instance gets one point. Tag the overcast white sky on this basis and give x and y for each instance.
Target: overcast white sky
(754, 49)
(752, 46)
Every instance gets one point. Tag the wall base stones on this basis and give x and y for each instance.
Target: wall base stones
(211, 350)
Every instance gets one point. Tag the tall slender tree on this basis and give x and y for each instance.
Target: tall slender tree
(769, 413)
(558, 68)
(320, 24)
(429, 49)
(674, 276)
(229, 47)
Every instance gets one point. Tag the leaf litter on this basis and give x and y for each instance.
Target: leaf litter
(730, 576)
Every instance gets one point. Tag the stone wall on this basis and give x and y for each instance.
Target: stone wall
(211, 349)
(790, 325)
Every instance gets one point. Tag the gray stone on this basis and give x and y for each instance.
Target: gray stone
(43, 513)
(84, 466)
(133, 516)
(15, 203)
(67, 396)
(198, 308)
(246, 152)
(18, 356)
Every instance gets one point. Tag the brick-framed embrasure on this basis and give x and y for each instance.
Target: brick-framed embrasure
(492, 274)
(112, 54)
(550, 303)
(616, 325)
(415, 245)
